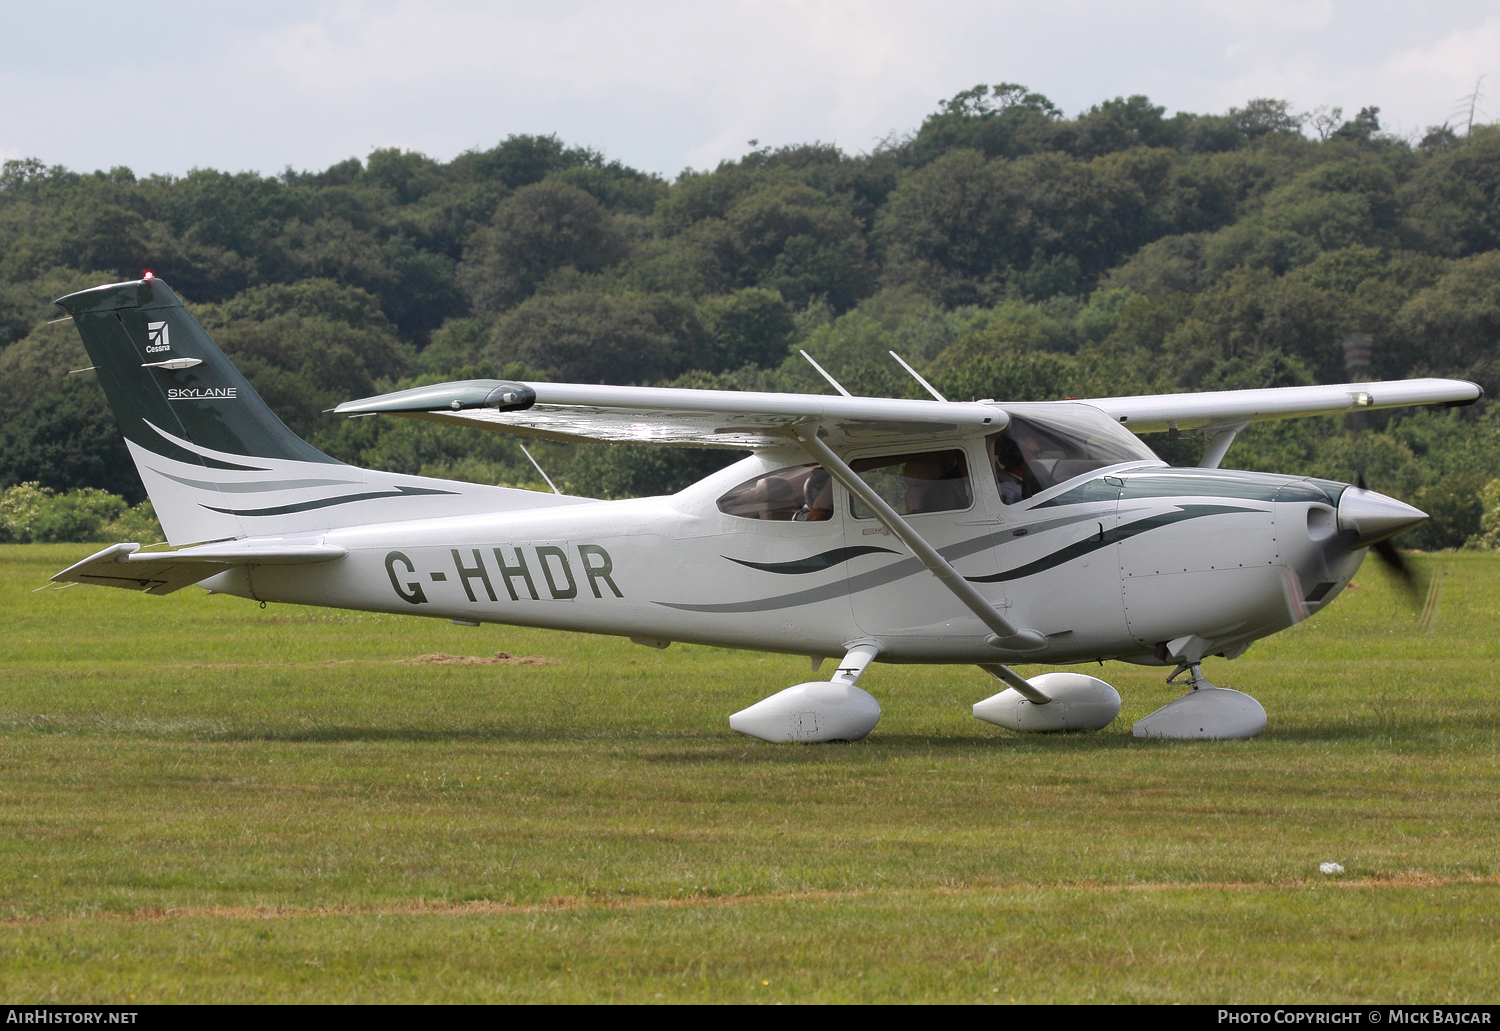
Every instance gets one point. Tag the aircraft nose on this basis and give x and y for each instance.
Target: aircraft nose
(1374, 517)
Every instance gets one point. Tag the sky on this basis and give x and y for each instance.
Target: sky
(663, 86)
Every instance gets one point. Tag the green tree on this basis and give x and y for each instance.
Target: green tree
(635, 471)
(542, 228)
(586, 338)
(947, 228)
(748, 327)
(67, 439)
(1453, 327)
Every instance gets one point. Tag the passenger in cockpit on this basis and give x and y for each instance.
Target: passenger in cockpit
(817, 493)
(936, 481)
(1013, 460)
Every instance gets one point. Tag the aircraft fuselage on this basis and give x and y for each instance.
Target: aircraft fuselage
(1110, 565)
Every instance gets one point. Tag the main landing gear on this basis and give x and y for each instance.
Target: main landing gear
(1061, 702)
(1050, 703)
(832, 710)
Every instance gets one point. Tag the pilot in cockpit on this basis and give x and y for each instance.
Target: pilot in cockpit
(1014, 453)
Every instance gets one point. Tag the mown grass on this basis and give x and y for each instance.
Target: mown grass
(203, 800)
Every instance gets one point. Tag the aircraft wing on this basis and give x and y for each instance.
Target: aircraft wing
(1152, 413)
(748, 420)
(741, 420)
(162, 572)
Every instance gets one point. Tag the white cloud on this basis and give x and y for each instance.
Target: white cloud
(1459, 61)
(670, 83)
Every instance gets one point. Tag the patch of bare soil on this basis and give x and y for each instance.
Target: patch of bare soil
(434, 658)
(498, 659)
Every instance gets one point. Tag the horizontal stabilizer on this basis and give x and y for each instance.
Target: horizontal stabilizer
(162, 572)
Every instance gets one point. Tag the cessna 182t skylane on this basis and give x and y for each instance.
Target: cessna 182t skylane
(985, 533)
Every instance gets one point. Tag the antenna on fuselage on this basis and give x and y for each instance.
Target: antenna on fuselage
(538, 467)
(824, 373)
(918, 377)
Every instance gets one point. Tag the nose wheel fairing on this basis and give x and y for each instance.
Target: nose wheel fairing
(1204, 713)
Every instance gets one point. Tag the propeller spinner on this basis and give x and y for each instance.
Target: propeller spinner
(1374, 519)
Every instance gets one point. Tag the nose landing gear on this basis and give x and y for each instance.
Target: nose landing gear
(1205, 712)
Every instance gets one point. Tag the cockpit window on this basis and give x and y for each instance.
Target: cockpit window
(929, 481)
(802, 493)
(1040, 449)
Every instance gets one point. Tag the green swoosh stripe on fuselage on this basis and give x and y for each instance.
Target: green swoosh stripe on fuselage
(875, 577)
(813, 563)
(910, 566)
(1104, 540)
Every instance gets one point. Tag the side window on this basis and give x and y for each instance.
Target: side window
(930, 481)
(803, 493)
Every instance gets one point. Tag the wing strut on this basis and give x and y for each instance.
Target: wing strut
(1006, 634)
(1218, 444)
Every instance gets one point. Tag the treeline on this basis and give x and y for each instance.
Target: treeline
(1005, 249)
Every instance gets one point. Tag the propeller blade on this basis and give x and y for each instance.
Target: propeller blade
(1397, 565)
(1386, 551)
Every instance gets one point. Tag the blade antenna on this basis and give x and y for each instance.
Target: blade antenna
(925, 385)
(824, 373)
(538, 467)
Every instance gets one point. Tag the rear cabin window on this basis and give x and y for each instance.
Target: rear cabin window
(929, 481)
(803, 493)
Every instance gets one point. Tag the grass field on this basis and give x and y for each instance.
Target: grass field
(201, 800)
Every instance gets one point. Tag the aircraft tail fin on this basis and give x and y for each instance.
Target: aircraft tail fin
(167, 381)
(215, 459)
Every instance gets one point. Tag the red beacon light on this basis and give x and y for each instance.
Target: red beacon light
(149, 277)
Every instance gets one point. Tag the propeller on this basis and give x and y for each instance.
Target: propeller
(1386, 552)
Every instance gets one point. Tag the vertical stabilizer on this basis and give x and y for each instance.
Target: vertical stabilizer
(165, 378)
(215, 459)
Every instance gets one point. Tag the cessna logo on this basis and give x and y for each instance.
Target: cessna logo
(548, 564)
(158, 338)
(203, 393)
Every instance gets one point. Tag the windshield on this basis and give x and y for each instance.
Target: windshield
(1045, 446)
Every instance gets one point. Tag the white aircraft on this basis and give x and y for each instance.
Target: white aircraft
(862, 528)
